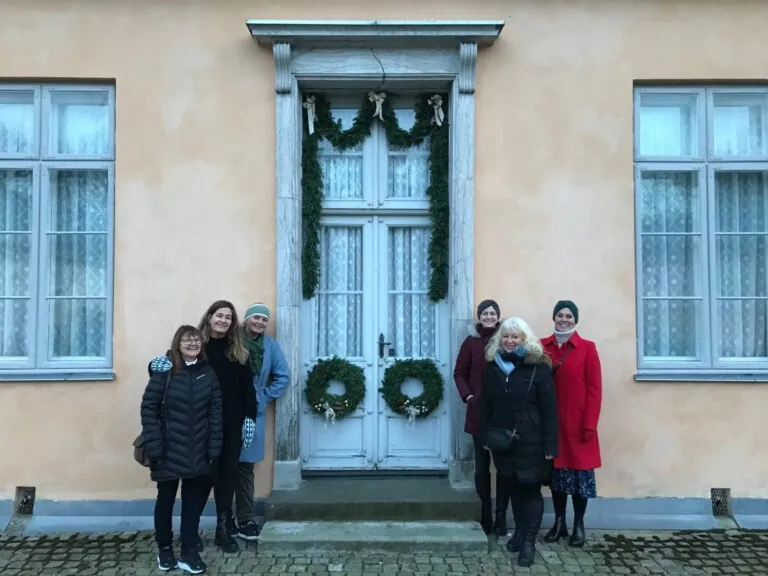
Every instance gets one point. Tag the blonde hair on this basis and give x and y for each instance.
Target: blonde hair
(520, 327)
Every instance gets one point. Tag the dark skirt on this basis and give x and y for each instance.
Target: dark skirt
(574, 482)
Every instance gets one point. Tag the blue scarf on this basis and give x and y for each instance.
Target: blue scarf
(509, 367)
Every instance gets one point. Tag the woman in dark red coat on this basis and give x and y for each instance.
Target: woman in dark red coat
(579, 387)
(468, 375)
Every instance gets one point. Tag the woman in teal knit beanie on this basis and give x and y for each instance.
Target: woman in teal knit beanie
(271, 378)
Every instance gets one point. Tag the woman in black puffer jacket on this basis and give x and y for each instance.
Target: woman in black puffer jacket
(183, 432)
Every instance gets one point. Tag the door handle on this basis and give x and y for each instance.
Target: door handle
(382, 344)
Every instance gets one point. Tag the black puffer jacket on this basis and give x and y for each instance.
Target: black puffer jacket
(503, 404)
(184, 439)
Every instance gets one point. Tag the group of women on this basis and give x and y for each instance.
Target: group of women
(202, 417)
(532, 407)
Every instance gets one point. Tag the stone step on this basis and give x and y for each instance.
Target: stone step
(404, 537)
(374, 499)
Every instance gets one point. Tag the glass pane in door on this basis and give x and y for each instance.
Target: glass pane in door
(411, 314)
(339, 317)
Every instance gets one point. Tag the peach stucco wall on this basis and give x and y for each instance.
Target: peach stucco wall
(554, 208)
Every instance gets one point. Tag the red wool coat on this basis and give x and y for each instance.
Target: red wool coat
(469, 370)
(579, 389)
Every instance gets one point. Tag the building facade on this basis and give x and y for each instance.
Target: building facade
(613, 154)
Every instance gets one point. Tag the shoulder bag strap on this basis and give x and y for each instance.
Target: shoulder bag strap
(527, 394)
(556, 367)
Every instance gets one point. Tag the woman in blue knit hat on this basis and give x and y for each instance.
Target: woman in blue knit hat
(271, 378)
(579, 387)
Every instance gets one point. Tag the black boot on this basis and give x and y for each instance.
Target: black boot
(578, 537)
(223, 539)
(534, 511)
(559, 530)
(502, 498)
(486, 518)
(231, 526)
(515, 544)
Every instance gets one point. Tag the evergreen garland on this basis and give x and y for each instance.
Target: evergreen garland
(312, 179)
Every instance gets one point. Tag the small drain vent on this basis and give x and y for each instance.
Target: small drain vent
(25, 500)
(721, 502)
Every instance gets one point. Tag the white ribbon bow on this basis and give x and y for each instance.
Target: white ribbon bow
(436, 102)
(330, 414)
(309, 106)
(378, 99)
(412, 412)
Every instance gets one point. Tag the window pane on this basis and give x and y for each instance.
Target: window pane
(408, 170)
(739, 124)
(15, 261)
(668, 125)
(669, 202)
(79, 123)
(670, 253)
(411, 313)
(342, 170)
(340, 292)
(741, 229)
(17, 122)
(77, 263)
(671, 329)
(77, 328)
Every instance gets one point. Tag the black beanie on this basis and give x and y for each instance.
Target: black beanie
(567, 304)
(488, 304)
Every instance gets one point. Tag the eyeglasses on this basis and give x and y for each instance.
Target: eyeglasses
(193, 340)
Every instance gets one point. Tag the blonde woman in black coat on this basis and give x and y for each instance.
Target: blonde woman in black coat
(518, 420)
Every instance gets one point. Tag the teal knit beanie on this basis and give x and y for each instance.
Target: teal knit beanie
(567, 304)
(257, 309)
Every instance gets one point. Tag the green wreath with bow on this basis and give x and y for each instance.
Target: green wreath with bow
(423, 370)
(334, 406)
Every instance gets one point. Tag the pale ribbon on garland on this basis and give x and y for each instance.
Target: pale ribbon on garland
(330, 414)
(436, 102)
(411, 411)
(378, 99)
(309, 106)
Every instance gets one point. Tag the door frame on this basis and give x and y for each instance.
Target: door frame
(374, 55)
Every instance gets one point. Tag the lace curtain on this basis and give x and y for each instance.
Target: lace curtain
(74, 210)
(675, 239)
(410, 322)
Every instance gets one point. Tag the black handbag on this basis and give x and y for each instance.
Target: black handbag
(502, 439)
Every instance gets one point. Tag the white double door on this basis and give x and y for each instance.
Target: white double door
(373, 308)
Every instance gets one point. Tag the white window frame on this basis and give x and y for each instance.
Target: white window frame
(43, 161)
(709, 366)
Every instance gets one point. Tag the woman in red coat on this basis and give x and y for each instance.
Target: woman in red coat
(579, 387)
(468, 375)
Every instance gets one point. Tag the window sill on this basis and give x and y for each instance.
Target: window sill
(708, 376)
(56, 375)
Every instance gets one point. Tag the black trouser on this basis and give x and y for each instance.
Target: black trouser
(223, 478)
(483, 478)
(527, 505)
(244, 504)
(191, 489)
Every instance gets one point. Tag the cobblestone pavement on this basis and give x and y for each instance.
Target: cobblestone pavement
(685, 553)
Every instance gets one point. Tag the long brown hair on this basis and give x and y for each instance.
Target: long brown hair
(237, 352)
(175, 355)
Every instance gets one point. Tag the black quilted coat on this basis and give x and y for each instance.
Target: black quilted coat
(506, 403)
(183, 435)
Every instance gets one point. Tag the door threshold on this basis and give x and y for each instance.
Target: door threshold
(370, 474)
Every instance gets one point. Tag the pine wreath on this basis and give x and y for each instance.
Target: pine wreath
(339, 370)
(423, 370)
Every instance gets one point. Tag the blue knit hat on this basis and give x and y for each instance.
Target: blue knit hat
(257, 309)
(562, 304)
